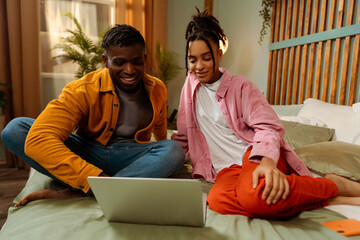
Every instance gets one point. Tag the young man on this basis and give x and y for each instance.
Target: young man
(114, 111)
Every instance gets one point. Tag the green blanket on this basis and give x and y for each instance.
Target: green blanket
(82, 218)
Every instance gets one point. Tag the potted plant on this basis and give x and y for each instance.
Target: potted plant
(265, 13)
(166, 64)
(165, 67)
(81, 49)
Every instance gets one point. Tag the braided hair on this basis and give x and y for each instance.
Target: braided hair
(204, 26)
(122, 35)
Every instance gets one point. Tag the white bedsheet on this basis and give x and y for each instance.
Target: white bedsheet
(346, 210)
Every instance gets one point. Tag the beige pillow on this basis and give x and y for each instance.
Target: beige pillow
(298, 134)
(336, 157)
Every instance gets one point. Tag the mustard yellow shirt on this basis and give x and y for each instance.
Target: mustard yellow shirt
(91, 106)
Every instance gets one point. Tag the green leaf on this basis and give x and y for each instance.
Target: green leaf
(80, 48)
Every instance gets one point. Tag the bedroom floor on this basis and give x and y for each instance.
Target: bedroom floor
(12, 181)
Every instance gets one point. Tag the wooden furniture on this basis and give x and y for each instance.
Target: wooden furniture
(314, 52)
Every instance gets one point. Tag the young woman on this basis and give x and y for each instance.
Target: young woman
(235, 139)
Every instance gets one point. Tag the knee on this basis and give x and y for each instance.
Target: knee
(16, 131)
(175, 150)
(217, 202)
(172, 156)
(223, 201)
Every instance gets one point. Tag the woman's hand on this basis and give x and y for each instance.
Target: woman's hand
(276, 184)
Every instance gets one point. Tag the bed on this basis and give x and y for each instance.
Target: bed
(313, 129)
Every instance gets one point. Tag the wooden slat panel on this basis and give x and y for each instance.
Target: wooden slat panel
(292, 52)
(328, 54)
(291, 75)
(279, 76)
(337, 55)
(275, 55)
(298, 54)
(305, 53)
(320, 52)
(303, 73)
(282, 38)
(269, 76)
(355, 65)
(273, 22)
(277, 28)
(312, 52)
(345, 66)
(271, 54)
(354, 71)
(273, 76)
(285, 79)
(286, 61)
(319, 68)
(296, 16)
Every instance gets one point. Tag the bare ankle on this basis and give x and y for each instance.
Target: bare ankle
(341, 200)
(346, 187)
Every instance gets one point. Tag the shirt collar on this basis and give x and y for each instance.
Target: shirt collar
(106, 82)
(224, 85)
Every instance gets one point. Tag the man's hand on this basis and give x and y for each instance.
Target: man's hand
(276, 184)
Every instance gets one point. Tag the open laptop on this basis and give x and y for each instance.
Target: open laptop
(162, 201)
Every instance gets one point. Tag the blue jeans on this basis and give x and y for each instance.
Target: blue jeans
(155, 159)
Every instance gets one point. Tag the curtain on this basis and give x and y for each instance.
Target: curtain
(149, 17)
(20, 61)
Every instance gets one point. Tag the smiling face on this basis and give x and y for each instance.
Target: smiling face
(126, 66)
(201, 63)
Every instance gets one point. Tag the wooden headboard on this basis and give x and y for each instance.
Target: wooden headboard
(314, 51)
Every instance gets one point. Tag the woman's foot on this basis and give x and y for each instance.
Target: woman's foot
(49, 194)
(345, 186)
(341, 200)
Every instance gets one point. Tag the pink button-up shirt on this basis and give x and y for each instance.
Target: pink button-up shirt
(247, 113)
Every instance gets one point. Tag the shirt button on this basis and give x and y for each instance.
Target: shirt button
(116, 105)
(81, 187)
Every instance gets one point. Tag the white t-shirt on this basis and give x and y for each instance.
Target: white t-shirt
(225, 147)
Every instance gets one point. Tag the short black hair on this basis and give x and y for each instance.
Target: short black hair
(203, 26)
(122, 35)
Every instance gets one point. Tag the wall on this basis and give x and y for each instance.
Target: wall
(241, 23)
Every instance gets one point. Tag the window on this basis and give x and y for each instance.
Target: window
(94, 17)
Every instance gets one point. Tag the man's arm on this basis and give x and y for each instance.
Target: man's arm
(45, 141)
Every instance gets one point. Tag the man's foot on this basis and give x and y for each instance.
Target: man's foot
(49, 194)
(345, 186)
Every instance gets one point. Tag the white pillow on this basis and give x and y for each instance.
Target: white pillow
(303, 120)
(356, 109)
(339, 117)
